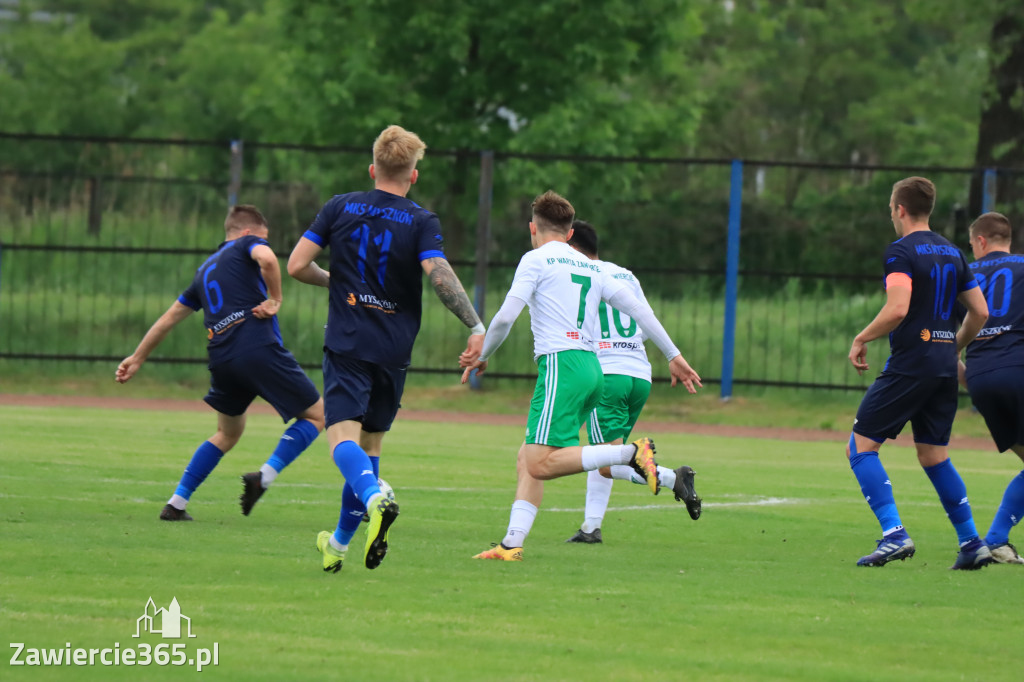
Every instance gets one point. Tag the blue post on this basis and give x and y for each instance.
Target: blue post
(732, 269)
(988, 190)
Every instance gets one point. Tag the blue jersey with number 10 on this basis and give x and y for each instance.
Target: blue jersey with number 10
(377, 240)
(227, 287)
(924, 343)
(1001, 342)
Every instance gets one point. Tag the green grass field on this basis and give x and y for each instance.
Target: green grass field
(762, 587)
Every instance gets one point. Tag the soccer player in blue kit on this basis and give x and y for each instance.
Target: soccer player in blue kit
(380, 245)
(994, 372)
(238, 289)
(924, 276)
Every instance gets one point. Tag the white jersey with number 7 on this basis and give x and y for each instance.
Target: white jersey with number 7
(564, 289)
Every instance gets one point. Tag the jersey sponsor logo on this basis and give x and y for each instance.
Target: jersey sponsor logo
(994, 331)
(351, 300)
(231, 320)
(940, 336)
(604, 345)
(371, 301)
(575, 336)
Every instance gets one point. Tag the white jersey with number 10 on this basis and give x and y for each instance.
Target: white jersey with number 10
(620, 341)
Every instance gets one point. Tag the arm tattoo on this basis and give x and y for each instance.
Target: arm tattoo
(449, 290)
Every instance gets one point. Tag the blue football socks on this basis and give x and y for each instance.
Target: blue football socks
(359, 472)
(352, 505)
(953, 495)
(875, 486)
(205, 459)
(1009, 513)
(294, 441)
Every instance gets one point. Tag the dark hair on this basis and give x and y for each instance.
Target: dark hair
(992, 226)
(552, 212)
(242, 216)
(916, 195)
(584, 238)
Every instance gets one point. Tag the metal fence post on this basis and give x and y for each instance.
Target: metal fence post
(988, 190)
(235, 184)
(95, 212)
(732, 267)
(483, 242)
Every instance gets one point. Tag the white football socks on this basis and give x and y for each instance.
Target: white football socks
(666, 476)
(599, 491)
(519, 523)
(178, 502)
(267, 475)
(597, 456)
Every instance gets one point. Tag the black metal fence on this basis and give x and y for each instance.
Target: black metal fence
(99, 235)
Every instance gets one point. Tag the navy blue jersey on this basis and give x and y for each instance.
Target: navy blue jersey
(1001, 342)
(227, 287)
(377, 241)
(924, 343)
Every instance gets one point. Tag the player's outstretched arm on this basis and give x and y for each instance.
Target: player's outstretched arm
(501, 325)
(449, 289)
(131, 364)
(897, 303)
(302, 267)
(270, 270)
(977, 315)
(681, 371)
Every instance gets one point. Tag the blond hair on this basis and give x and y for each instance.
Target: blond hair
(396, 151)
(553, 212)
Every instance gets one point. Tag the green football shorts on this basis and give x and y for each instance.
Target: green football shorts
(616, 413)
(568, 389)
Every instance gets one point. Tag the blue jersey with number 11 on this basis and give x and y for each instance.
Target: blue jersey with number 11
(377, 240)
(924, 343)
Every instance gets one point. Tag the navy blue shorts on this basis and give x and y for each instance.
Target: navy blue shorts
(929, 404)
(999, 397)
(361, 391)
(270, 372)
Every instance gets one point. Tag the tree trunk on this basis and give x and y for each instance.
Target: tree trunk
(1001, 129)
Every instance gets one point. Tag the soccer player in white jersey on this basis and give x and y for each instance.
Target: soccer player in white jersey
(564, 290)
(627, 385)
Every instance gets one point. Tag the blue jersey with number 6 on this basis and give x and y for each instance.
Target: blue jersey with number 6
(1001, 342)
(227, 287)
(924, 343)
(377, 240)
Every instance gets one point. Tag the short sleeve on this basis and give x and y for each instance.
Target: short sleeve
(896, 260)
(190, 297)
(319, 231)
(526, 278)
(430, 242)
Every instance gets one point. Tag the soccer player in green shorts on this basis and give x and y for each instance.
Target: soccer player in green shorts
(564, 291)
(627, 384)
